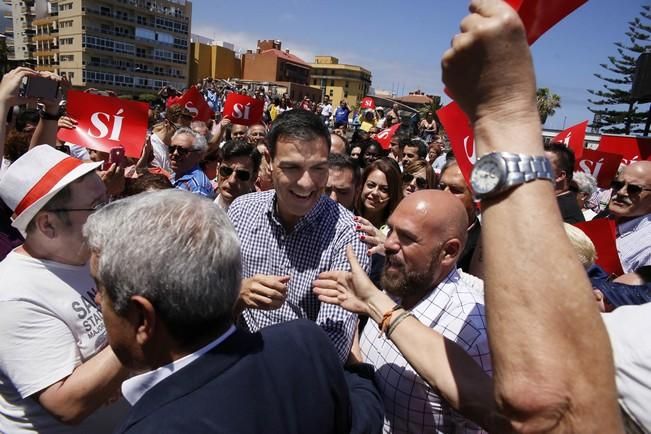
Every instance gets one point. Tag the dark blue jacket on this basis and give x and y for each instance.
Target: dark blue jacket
(284, 379)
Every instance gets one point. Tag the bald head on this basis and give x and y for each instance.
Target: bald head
(628, 203)
(441, 213)
(338, 145)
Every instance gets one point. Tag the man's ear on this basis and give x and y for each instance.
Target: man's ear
(562, 176)
(144, 319)
(451, 251)
(46, 224)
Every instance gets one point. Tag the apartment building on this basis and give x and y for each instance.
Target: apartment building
(340, 81)
(20, 44)
(130, 46)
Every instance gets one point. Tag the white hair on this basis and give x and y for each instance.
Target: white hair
(199, 142)
(582, 244)
(585, 182)
(174, 248)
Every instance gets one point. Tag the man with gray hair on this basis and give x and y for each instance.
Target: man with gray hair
(204, 375)
(186, 150)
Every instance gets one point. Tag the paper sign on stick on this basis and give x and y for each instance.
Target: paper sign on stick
(602, 233)
(573, 137)
(384, 137)
(243, 110)
(195, 103)
(368, 103)
(105, 122)
(631, 148)
(602, 165)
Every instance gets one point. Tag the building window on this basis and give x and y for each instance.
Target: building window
(346, 83)
(345, 94)
(332, 92)
(65, 6)
(66, 41)
(64, 24)
(66, 57)
(314, 82)
(332, 82)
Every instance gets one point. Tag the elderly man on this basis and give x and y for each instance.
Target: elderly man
(290, 234)
(55, 368)
(426, 238)
(237, 171)
(200, 371)
(562, 159)
(238, 132)
(630, 204)
(186, 151)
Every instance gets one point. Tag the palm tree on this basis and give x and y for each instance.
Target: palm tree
(547, 103)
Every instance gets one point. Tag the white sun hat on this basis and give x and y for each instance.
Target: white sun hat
(35, 178)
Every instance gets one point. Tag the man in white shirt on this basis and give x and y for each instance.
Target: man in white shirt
(326, 111)
(426, 238)
(631, 206)
(55, 368)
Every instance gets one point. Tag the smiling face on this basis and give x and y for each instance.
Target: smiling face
(300, 174)
(375, 192)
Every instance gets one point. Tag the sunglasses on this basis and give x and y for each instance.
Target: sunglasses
(631, 189)
(420, 181)
(242, 175)
(182, 152)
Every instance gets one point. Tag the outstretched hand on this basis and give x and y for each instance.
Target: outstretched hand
(349, 289)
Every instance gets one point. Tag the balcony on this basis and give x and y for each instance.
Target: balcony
(110, 15)
(46, 52)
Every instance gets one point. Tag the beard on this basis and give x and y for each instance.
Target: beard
(399, 282)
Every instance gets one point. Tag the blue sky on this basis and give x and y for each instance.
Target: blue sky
(401, 43)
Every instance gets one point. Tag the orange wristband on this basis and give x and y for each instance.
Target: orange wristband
(386, 318)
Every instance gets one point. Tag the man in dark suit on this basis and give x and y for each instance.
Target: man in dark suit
(168, 266)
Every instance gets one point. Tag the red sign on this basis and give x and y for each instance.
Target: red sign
(630, 147)
(461, 138)
(368, 103)
(538, 16)
(195, 103)
(602, 233)
(106, 122)
(384, 137)
(243, 110)
(573, 138)
(602, 165)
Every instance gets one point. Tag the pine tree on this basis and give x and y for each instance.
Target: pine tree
(615, 111)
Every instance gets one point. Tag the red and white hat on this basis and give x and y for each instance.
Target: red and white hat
(33, 179)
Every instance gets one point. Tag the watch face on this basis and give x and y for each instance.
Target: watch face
(486, 176)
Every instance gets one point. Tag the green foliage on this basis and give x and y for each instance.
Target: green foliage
(615, 111)
(547, 103)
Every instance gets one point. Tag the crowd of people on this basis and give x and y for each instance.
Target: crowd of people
(298, 276)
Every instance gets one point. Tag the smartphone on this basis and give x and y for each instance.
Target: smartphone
(39, 87)
(116, 155)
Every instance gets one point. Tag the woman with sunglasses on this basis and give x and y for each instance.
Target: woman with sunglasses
(380, 194)
(418, 175)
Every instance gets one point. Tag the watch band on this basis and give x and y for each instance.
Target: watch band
(525, 168)
(47, 116)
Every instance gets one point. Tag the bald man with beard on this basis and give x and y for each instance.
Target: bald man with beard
(427, 236)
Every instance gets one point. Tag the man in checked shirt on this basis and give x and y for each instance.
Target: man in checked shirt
(292, 233)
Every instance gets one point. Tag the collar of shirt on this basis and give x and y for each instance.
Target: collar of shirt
(220, 202)
(633, 225)
(187, 175)
(135, 387)
(308, 219)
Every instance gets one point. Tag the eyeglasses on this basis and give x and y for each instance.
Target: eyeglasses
(181, 151)
(93, 209)
(631, 189)
(453, 189)
(242, 175)
(420, 181)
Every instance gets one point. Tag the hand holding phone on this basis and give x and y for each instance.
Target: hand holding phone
(116, 156)
(34, 86)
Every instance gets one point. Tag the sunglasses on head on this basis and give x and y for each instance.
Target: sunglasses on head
(242, 175)
(182, 152)
(631, 189)
(420, 181)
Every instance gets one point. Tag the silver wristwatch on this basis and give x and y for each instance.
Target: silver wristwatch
(498, 172)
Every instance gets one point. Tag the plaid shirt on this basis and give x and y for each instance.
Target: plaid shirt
(455, 308)
(317, 243)
(634, 243)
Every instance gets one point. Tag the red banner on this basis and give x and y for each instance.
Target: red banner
(461, 138)
(602, 232)
(573, 138)
(538, 16)
(195, 103)
(384, 137)
(630, 147)
(243, 110)
(367, 103)
(106, 122)
(602, 165)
